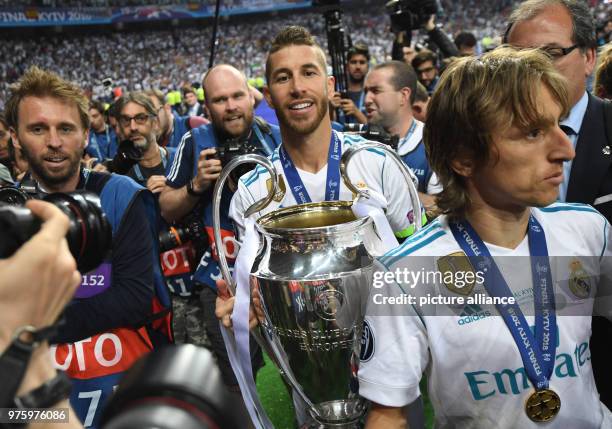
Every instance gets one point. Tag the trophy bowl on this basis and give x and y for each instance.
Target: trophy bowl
(312, 274)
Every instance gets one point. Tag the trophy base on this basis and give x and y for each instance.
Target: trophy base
(340, 414)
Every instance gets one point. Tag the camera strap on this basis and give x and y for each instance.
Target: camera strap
(163, 154)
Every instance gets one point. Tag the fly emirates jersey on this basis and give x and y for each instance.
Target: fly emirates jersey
(476, 376)
(368, 169)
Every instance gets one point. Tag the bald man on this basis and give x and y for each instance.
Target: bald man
(190, 180)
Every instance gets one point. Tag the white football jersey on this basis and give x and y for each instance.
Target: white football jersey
(368, 169)
(476, 377)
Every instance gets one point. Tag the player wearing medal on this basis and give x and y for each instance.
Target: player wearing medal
(493, 137)
(309, 158)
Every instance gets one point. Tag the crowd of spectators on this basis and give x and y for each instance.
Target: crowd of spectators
(170, 59)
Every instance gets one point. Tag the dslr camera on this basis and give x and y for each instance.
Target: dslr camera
(127, 156)
(373, 132)
(408, 15)
(89, 235)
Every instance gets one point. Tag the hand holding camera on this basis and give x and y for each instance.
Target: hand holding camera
(41, 277)
(209, 169)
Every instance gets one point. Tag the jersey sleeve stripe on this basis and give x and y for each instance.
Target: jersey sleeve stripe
(177, 159)
(388, 261)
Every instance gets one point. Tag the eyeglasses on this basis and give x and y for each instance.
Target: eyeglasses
(425, 70)
(555, 53)
(141, 119)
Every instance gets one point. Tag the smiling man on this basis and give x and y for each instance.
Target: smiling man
(297, 88)
(48, 122)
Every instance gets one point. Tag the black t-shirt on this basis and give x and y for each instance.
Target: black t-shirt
(146, 172)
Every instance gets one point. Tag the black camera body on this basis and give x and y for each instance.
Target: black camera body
(128, 155)
(232, 148)
(373, 132)
(408, 15)
(191, 229)
(89, 235)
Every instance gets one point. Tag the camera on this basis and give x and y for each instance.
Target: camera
(128, 154)
(373, 132)
(191, 229)
(408, 15)
(232, 148)
(174, 387)
(89, 235)
(107, 82)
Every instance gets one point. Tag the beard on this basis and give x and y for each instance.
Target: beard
(302, 127)
(236, 130)
(358, 79)
(53, 177)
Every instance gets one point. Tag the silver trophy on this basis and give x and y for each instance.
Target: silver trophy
(312, 274)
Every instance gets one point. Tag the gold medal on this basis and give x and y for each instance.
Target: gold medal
(542, 405)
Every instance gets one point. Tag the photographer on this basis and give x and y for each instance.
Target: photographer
(138, 128)
(102, 140)
(48, 122)
(197, 165)
(351, 105)
(390, 90)
(42, 267)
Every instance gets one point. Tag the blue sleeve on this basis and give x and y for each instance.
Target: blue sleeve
(127, 303)
(181, 169)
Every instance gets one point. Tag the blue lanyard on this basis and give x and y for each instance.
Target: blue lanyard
(410, 132)
(164, 157)
(269, 150)
(361, 98)
(333, 173)
(537, 352)
(94, 140)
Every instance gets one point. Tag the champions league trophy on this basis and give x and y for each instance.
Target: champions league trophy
(312, 274)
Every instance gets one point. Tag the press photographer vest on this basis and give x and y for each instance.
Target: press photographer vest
(268, 137)
(96, 364)
(417, 161)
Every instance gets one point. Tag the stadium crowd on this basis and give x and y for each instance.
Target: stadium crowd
(169, 59)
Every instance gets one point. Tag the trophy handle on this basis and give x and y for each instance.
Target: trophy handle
(348, 154)
(257, 206)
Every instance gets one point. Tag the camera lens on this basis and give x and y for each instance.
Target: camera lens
(89, 235)
(89, 229)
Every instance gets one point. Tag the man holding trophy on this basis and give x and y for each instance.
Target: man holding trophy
(308, 167)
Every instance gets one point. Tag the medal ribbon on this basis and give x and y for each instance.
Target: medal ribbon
(333, 173)
(537, 352)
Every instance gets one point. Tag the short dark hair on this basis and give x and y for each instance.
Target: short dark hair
(294, 35)
(422, 57)
(465, 39)
(97, 105)
(583, 23)
(358, 49)
(403, 76)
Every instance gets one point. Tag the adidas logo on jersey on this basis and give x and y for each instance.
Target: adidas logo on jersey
(472, 313)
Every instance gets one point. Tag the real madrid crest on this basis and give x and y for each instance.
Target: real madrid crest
(453, 267)
(280, 194)
(579, 281)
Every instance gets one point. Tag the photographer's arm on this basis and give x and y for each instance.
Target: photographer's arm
(436, 35)
(42, 268)
(175, 201)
